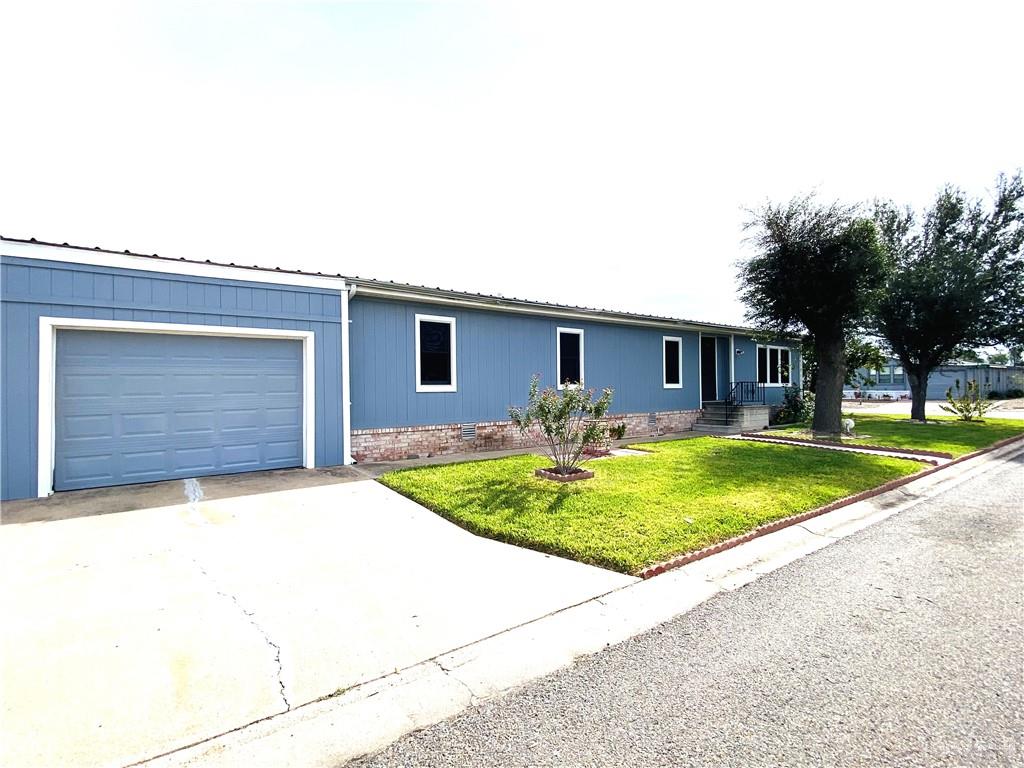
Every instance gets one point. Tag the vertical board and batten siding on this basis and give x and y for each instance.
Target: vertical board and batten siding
(33, 288)
(496, 354)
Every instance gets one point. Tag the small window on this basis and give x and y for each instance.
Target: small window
(784, 371)
(672, 362)
(570, 357)
(435, 354)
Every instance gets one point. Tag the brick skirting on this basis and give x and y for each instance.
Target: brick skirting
(396, 443)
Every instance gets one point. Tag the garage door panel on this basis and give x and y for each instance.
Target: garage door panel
(284, 451)
(144, 424)
(88, 426)
(235, 456)
(140, 411)
(92, 469)
(143, 463)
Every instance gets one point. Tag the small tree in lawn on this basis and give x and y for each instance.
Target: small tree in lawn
(967, 405)
(958, 281)
(817, 270)
(569, 420)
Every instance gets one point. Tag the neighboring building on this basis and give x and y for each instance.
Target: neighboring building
(892, 380)
(125, 368)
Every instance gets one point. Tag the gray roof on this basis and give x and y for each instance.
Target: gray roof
(426, 292)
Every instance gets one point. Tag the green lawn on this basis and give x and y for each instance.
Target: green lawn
(639, 510)
(941, 433)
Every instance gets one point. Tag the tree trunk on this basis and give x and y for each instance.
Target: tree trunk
(917, 377)
(828, 390)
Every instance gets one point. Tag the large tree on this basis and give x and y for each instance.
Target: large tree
(958, 281)
(816, 270)
(858, 353)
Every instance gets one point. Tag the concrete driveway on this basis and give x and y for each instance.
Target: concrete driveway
(131, 634)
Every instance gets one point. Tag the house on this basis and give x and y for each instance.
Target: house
(891, 380)
(122, 368)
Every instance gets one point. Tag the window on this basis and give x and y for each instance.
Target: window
(435, 354)
(774, 365)
(570, 357)
(885, 376)
(672, 362)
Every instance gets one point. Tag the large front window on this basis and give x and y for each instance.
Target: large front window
(774, 365)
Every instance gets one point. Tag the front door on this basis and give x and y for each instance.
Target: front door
(708, 369)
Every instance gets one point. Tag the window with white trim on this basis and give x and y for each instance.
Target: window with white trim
(774, 365)
(435, 354)
(672, 362)
(569, 354)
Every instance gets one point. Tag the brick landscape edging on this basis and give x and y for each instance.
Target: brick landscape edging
(786, 522)
(856, 446)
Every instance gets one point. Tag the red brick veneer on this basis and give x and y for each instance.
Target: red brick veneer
(396, 443)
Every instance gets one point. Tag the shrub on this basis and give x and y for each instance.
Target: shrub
(617, 431)
(995, 394)
(969, 405)
(1013, 392)
(569, 419)
(796, 406)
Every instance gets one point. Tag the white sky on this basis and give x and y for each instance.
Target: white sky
(595, 153)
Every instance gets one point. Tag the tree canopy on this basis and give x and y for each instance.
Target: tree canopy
(957, 281)
(817, 269)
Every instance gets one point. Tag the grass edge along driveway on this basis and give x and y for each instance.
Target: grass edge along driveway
(680, 496)
(940, 433)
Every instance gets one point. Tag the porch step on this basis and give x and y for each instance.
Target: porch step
(717, 429)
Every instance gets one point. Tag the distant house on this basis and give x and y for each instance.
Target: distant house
(891, 380)
(123, 368)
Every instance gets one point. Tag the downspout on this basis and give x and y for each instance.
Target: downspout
(346, 389)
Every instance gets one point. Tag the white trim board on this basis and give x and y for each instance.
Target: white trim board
(346, 385)
(48, 327)
(72, 255)
(453, 370)
(558, 357)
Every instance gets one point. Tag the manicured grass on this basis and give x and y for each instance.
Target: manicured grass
(941, 433)
(639, 510)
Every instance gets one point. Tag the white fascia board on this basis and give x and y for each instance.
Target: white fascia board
(72, 255)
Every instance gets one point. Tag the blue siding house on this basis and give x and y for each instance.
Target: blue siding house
(127, 368)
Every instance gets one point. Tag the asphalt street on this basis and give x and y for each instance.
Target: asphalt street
(900, 645)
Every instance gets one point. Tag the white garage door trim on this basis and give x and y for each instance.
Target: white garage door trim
(48, 327)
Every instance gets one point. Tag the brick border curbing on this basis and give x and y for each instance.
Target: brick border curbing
(786, 522)
(854, 446)
(547, 474)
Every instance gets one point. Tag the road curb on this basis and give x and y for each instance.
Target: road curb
(786, 522)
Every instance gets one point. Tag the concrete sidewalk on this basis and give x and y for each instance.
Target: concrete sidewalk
(367, 718)
(128, 635)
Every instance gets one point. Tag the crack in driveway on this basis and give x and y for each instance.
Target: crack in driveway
(251, 617)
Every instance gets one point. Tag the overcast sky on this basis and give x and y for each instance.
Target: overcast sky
(592, 153)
